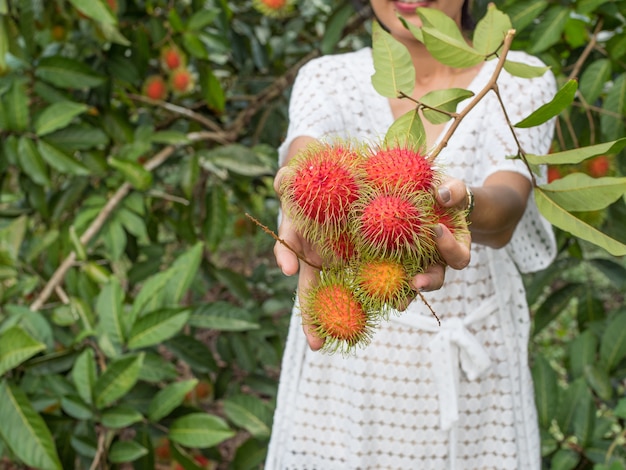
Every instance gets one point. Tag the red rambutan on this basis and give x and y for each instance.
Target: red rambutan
(401, 167)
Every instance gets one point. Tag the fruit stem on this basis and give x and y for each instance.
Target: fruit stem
(280, 240)
(429, 307)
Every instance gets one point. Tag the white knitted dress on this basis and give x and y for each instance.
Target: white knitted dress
(423, 396)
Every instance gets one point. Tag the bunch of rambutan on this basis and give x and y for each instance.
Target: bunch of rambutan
(370, 213)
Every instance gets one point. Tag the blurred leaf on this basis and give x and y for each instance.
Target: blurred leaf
(24, 430)
(95, 9)
(250, 413)
(184, 270)
(584, 417)
(561, 100)
(580, 192)
(193, 352)
(581, 352)
(32, 163)
(523, 14)
(620, 409)
(394, 71)
(212, 90)
(169, 398)
(554, 304)
(334, 27)
(126, 451)
(16, 346)
(223, 316)
(12, 236)
(16, 107)
(614, 272)
(59, 160)
(238, 159)
(407, 131)
(546, 390)
(117, 380)
(200, 430)
(613, 342)
(548, 31)
(216, 220)
(589, 309)
(594, 78)
(155, 327)
(568, 403)
(84, 375)
(565, 459)
(68, 73)
(578, 155)
(562, 219)
(133, 172)
(75, 407)
(599, 381)
(110, 310)
(120, 417)
(491, 30)
(614, 107)
(445, 42)
(57, 116)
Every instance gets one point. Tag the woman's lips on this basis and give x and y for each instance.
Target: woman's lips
(409, 7)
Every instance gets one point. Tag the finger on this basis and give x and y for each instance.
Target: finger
(431, 279)
(278, 179)
(307, 280)
(452, 193)
(455, 252)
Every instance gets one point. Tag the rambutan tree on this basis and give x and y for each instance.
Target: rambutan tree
(142, 317)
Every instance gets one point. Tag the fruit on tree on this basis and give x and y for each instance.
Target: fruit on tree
(599, 166)
(172, 58)
(274, 8)
(154, 87)
(181, 80)
(554, 173)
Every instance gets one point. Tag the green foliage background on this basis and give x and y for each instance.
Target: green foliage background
(140, 306)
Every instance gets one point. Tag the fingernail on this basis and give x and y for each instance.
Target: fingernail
(438, 230)
(444, 194)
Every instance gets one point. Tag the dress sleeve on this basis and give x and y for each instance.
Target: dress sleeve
(533, 245)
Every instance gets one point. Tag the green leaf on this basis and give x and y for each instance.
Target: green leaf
(554, 305)
(564, 459)
(200, 430)
(133, 172)
(212, 90)
(593, 79)
(16, 107)
(24, 431)
(59, 160)
(149, 297)
(524, 13)
(568, 402)
(444, 40)
(491, 30)
(250, 413)
(84, 375)
(75, 407)
(575, 156)
(169, 137)
(394, 71)
(169, 398)
(95, 9)
(68, 73)
(215, 222)
(223, 316)
(562, 99)
(562, 219)
(31, 162)
(117, 380)
(549, 30)
(110, 310)
(444, 100)
(581, 352)
(614, 107)
(584, 417)
(335, 26)
(407, 131)
(184, 270)
(613, 342)
(599, 381)
(519, 69)
(238, 159)
(58, 116)
(126, 451)
(193, 352)
(581, 192)
(613, 271)
(546, 390)
(12, 235)
(120, 417)
(17, 346)
(620, 409)
(156, 327)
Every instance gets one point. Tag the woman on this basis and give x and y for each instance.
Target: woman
(422, 396)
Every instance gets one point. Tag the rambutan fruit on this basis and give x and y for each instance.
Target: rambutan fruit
(155, 87)
(274, 8)
(452, 218)
(394, 224)
(336, 314)
(338, 250)
(172, 58)
(318, 192)
(382, 284)
(181, 80)
(401, 167)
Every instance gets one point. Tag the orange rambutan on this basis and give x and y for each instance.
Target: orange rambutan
(154, 87)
